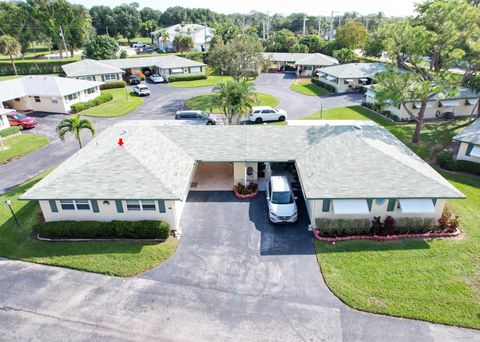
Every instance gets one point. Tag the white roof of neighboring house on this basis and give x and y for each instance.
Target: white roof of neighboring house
(42, 86)
(463, 93)
(471, 134)
(354, 70)
(300, 58)
(163, 62)
(89, 67)
(201, 34)
(158, 161)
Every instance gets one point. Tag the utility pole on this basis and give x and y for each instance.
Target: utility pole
(304, 24)
(320, 26)
(331, 27)
(106, 30)
(263, 27)
(268, 25)
(63, 38)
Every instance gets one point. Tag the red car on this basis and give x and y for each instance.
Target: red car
(21, 120)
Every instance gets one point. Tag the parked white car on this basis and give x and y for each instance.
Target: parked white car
(265, 113)
(281, 200)
(156, 78)
(138, 45)
(141, 90)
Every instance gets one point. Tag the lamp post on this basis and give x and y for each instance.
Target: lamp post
(9, 204)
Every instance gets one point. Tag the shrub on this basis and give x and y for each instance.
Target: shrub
(414, 225)
(324, 85)
(81, 106)
(377, 226)
(187, 78)
(103, 230)
(246, 190)
(140, 75)
(446, 160)
(389, 225)
(343, 227)
(9, 131)
(468, 166)
(29, 67)
(447, 222)
(113, 84)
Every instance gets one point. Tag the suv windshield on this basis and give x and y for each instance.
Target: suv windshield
(205, 114)
(282, 197)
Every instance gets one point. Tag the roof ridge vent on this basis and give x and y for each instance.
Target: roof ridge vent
(357, 126)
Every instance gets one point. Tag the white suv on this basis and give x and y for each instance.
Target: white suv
(265, 113)
(141, 90)
(281, 201)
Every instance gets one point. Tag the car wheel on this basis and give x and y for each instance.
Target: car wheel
(282, 118)
(258, 120)
(209, 123)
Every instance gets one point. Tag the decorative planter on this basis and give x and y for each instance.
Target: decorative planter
(381, 238)
(240, 196)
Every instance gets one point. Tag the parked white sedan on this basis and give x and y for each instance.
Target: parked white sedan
(265, 113)
(156, 78)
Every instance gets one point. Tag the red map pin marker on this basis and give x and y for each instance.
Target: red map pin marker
(120, 142)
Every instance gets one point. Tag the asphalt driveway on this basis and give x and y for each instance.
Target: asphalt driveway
(234, 277)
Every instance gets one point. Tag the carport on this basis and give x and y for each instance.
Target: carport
(213, 177)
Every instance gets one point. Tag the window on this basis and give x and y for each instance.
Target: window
(54, 99)
(133, 205)
(75, 204)
(71, 97)
(110, 77)
(37, 98)
(89, 91)
(148, 205)
(143, 205)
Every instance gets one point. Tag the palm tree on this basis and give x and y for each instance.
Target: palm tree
(234, 99)
(74, 125)
(163, 36)
(11, 47)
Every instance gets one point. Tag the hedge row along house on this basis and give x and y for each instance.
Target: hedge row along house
(115, 69)
(345, 171)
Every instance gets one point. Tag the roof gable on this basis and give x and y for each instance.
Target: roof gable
(470, 134)
(88, 67)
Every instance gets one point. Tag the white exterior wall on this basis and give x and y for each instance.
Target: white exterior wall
(341, 86)
(4, 121)
(108, 212)
(239, 172)
(99, 78)
(166, 73)
(82, 98)
(378, 209)
(462, 154)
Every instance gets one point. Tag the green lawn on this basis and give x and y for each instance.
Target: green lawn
(435, 280)
(119, 106)
(145, 40)
(20, 145)
(202, 102)
(113, 258)
(306, 87)
(211, 81)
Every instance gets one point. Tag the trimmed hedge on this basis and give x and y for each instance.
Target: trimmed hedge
(103, 230)
(324, 85)
(9, 131)
(446, 161)
(29, 67)
(113, 84)
(343, 227)
(81, 106)
(187, 78)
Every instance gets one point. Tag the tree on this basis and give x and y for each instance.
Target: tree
(314, 43)
(163, 36)
(103, 20)
(298, 48)
(235, 99)
(15, 18)
(345, 55)
(127, 21)
(227, 31)
(182, 43)
(149, 26)
(374, 46)
(281, 41)
(74, 125)
(148, 13)
(11, 47)
(239, 58)
(78, 32)
(352, 35)
(101, 47)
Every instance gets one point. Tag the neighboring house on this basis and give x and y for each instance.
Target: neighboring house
(345, 171)
(201, 35)
(303, 64)
(3, 118)
(461, 105)
(46, 93)
(91, 70)
(469, 140)
(351, 76)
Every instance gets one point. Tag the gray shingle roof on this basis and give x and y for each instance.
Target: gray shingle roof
(42, 86)
(471, 134)
(157, 162)
(354, 70)
(88, 67)
(164, 62)
(301, 58)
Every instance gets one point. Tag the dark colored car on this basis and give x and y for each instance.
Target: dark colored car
(133, 80)
(21, 120)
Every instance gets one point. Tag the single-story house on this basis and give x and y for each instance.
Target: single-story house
(469, 140)
(4, 123)
(201, 35)
(303, 64)
(166, 66)
(351, 76)
(91, 70)
(344, 171)
(46, 93)
(460, 105)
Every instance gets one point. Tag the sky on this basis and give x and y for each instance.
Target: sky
(311, 7)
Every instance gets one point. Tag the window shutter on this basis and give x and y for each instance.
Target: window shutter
(469, 149)
(95, 206)
(119, 205)
(326, 206)
(161, 206)
(434, 200)
(53, 206)
(391, 204)
(103, 78)
(369, 202)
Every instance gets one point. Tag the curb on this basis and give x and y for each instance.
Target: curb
(379, 238)
(98, 240)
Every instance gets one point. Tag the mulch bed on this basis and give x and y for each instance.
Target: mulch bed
(240, 196)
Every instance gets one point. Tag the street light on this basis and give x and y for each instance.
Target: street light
(9, 204)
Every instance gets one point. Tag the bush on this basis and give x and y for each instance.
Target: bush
(414, 225)
(9, 131)
(187, 78)
(113, 84)
(324, 85)
(468, 166)
(247, 190)
(343, 227)
(446, 161)
(81, 106)
(103, 230)
(447, 222)
(29, 67)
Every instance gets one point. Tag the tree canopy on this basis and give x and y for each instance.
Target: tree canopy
(101, 47)
(352, 35)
